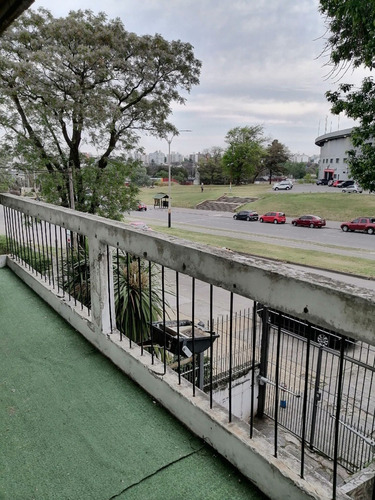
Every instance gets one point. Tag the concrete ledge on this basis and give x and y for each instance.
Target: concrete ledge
(253, 457)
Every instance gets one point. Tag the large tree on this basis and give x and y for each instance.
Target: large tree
(276, 156)
(83, 82)
(243, 157)
(211, 168)
(351, 42)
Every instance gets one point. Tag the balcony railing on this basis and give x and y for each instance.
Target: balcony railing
(241, 349)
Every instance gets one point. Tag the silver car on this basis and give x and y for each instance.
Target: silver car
(352, 189)
(282, 185)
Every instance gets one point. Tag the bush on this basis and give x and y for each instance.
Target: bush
(3, 244)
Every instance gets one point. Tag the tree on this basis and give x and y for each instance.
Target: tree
(83, 81)
(211, 167)
(351, 42)
(242, 159)
(276, 156)
(297, 170)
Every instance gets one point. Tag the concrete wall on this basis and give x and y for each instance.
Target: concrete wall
(241, 400)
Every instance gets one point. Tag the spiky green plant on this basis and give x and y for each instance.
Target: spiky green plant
(138, 297)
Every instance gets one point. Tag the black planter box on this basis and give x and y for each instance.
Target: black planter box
(183, 343)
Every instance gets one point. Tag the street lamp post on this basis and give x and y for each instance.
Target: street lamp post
(169, 176)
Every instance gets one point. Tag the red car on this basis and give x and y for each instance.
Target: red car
(365, 224)
(309, 221)
(141, 207)
(274, 217)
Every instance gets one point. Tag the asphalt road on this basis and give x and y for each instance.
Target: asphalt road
(330, 238)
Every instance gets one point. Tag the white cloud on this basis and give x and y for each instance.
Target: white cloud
(261, 65)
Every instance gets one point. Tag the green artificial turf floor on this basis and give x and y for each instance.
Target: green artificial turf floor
(72, 426)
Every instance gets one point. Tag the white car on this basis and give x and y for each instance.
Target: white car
(283, 185)
(352, 189)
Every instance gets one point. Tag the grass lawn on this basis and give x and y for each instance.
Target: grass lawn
(333, 205)
(313, 258)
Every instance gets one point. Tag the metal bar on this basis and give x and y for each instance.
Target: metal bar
(51, 247)
(140, 304)
(118, 286)
(151, 333)
(130, 316)
(305, 394)
(193, 330)
(164, 313)
(57, 260)
(338, 409)
(254, 333)
(87, 276)
(264, 349)
(230, 354)
(43, 253)
(211, 343)
(109, 271)
(178, 325)
(317, 396)
(277, 383)
(62, 261)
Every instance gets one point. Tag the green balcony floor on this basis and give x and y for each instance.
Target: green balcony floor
(72, 426)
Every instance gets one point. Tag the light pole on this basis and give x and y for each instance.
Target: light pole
(169, 175)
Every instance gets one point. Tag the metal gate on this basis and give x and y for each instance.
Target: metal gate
(283, 366)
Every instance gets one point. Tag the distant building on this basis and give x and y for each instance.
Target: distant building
(333, 163)
(158, 158)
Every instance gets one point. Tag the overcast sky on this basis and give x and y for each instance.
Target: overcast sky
(261, 64)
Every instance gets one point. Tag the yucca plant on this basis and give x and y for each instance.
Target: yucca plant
(138, 295)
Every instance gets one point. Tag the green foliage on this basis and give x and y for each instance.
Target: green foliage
(3, 244)
(132, 296)
(131, 278)
(352, 41)
(83, 80)
(162, 173)
(295, 170)
(31, 256)
(139, 176)
(276, 156)
(243, 157)
(211, 168)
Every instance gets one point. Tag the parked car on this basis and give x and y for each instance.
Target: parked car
(141, 207)
(352, 189)
(309, 221)
(347, 184)
(283, 185)
(322, 182)
(274, 217)
(364, 224)
(246, 215)
(290, 324)
(337, 183)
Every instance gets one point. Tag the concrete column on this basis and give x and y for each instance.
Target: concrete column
(102, 295)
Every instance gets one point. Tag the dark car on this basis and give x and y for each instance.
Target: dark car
(364, 224)
(309, 221)
(246, 215)
(321, 336)
(274, 217)
(347, 184)
(322, 182)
